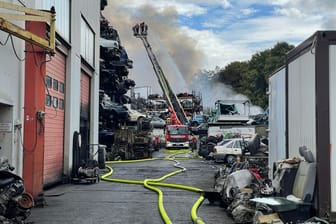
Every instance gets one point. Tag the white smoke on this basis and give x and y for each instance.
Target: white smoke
(213, 91)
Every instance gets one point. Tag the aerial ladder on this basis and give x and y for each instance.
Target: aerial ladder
(178, 114)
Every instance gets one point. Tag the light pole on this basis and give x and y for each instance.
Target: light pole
(148, 89)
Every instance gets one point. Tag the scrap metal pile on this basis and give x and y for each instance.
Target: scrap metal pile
(244, 189)
(237, 183)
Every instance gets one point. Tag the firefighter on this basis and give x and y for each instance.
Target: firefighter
(136, 29)
(193, 143)
(142, 27)
(156, 143)
(145, 29)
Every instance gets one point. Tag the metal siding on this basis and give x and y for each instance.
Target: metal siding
(332, 101)
(301, 104)
(54, 125)
(277, 118)
(62, 8)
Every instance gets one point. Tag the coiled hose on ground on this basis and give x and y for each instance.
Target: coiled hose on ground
(151, 183)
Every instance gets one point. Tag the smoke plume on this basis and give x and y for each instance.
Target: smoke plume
(213, 91)
(175, 51)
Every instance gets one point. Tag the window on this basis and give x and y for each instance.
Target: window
(223, 142)
(87, 42)
(61, 104)
(55, 102)
(230, 145)
(61, 87)
(48, 100)
(62, 23)
(55, 84)
(237, 144)
(48, 82)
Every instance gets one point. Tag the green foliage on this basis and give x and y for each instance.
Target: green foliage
(251, 77)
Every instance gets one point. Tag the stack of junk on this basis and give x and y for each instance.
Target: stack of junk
(244, 189)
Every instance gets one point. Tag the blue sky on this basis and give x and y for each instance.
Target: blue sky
(218, 18)
(196, 34)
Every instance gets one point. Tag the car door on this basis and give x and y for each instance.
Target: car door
(236, 147)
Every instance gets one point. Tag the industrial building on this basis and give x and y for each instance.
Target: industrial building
(45, 97)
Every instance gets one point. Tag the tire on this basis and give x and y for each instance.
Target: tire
(194, 123)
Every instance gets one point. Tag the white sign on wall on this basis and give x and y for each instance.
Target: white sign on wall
(6, 127)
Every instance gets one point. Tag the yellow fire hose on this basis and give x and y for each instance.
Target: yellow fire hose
(150, 183)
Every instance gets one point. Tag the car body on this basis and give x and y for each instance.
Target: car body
(198, 119)
(157, 122)
(227, 150)
(135, 115)
(201, 129)
(109, 49)
(177, 136)
(114, 110)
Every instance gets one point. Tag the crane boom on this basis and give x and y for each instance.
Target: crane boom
(140, 31)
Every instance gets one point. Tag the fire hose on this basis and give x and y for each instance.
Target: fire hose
(152, 183)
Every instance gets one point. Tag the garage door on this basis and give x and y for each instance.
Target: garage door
(85, 115)
(54, 120)
(85, 96)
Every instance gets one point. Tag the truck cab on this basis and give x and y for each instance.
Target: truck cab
(177, 136)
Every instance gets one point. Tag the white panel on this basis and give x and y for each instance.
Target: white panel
(332, 89)
(277, 118)
(301, 104)
(62, 8)
(87, 42)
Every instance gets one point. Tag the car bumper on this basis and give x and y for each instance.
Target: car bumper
(177, 145)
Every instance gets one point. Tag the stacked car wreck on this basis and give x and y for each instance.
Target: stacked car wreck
(124, 137)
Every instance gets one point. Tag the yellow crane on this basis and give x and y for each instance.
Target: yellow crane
(30, 15)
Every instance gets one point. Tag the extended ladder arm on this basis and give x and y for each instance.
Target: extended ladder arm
(171, 98)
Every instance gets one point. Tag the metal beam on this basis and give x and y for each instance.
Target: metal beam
(25, 35)
(34, 15)
(19, 8)
(10, 16)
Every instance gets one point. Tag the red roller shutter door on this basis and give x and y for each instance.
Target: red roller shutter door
(54, 120)
(85, 95)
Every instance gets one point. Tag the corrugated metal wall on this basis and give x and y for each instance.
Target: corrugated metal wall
(277, 118)
(332, 101)
(54, 121)
(301, 104)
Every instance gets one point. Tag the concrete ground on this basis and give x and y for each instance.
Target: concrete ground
(114, 203)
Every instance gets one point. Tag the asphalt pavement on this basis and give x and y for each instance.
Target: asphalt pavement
(114, 203)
